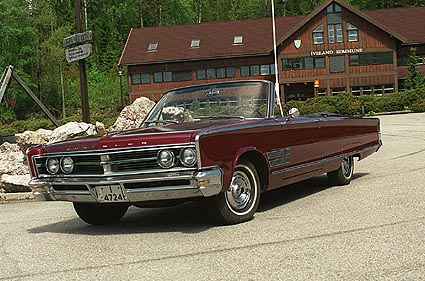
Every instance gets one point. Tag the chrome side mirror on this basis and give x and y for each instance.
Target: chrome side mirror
(293, 113)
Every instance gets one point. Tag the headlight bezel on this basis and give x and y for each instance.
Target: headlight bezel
(182, 157)
(62, 165)
(48, 165)
(170, 154)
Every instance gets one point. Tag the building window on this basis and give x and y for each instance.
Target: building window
(336, 64)
(353, 33)
(238, 40)
(331, 33)
(211, 73)
(265, 69)
(372, 58)
(303, 63)
(319, 62)
(318, 35)
(140, 78)
(244, 71)
(355, 91)
(230, 72)
(153, 46)
(165, 76)
(255, 70)
(168, 76)
(339, 37)
(333, 8)
(182, 76)
(200, 74)
(272, 69)
(335, 29)
(221, 72)
(388, 88)
(157, 77)
(195, 43)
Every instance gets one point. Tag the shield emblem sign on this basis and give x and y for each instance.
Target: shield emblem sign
(297, 43)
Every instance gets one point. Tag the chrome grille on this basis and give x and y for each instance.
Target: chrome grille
(110, 162)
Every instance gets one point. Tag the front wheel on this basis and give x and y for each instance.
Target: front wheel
(240, 201)
(100, 214)
(344, 174)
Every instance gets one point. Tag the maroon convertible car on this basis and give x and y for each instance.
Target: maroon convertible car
(224, 143)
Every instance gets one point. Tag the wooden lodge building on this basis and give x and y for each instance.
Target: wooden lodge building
(335, 49)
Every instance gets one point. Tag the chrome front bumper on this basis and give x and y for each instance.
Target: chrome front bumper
(160, 186)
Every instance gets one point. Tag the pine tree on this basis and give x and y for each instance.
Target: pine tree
(414, 79)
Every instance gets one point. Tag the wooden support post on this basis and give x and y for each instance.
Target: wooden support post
(35, 99)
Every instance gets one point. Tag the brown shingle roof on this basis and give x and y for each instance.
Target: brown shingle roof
(216, 38)
(408, 22)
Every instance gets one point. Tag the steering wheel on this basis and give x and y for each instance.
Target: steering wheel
(248, 111)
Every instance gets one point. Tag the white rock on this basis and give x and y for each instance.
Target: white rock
(15, 183)
(131, 116)
(12, 160)
(72, 130)
(31, 138)
(177, 114)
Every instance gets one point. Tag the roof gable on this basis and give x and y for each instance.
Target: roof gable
(347, 6)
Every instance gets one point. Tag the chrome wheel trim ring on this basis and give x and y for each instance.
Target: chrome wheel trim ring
(347, 167)
(242, 192)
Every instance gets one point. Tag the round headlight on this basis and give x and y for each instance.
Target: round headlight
(188, 157)
(67, 165)
(52, 165)
(166, 159)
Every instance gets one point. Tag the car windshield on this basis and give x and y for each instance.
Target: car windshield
(243, 99)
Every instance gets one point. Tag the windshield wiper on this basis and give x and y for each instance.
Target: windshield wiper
(161, 122)
(220, 117)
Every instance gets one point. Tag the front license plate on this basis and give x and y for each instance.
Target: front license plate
(110, 194)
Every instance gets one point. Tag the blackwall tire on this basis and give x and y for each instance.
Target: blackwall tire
(240, 201)
(344, 174)
(100, 214)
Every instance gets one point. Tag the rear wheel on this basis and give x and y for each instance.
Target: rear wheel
(344, 174)
(240, 201)
(100, 214)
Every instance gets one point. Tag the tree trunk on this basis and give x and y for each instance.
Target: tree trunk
(158, 13)
(141, 13)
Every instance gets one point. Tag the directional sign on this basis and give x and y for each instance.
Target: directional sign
(78, 53)
(77, 38)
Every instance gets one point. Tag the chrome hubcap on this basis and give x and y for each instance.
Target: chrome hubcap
(239, 193)
(346, 167)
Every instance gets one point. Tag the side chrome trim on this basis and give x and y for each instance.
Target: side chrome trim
(323, 160)
(279, 157)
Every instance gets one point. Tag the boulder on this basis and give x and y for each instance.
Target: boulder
(14, 183)
(132, 116)
(12, 160)
(14, 174)
(72, 130)
(176, 113)
(31, 138)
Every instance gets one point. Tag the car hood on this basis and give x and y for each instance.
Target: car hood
(151, 136)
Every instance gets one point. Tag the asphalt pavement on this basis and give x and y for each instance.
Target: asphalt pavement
(372, 229)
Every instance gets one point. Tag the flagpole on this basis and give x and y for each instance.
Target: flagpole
(277, 88)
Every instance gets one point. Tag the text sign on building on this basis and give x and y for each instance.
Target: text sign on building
(336, 52)
(77, 38)
(78, 53)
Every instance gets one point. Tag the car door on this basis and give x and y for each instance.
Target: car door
(304, 143)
